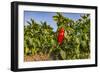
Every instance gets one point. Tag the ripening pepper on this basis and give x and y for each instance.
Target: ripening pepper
(60, 35)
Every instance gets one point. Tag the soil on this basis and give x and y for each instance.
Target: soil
(36, 57)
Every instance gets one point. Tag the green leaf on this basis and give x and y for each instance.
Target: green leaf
(32, 21)
(28, 22)
(83, 43)
(26, 50)
(55, 18)
(63, 54)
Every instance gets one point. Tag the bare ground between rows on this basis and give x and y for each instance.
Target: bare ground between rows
(36, 57)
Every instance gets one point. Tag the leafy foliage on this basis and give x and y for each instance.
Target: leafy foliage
(40, 38)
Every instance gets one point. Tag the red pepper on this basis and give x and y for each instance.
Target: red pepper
(61, 35)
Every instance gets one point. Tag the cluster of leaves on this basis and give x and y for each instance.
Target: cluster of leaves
(41, 38)
(37, 37)
(77, 37)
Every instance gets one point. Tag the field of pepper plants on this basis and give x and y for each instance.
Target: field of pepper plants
(70, 41)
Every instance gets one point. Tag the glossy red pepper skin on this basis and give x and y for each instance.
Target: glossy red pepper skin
(60, 35)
